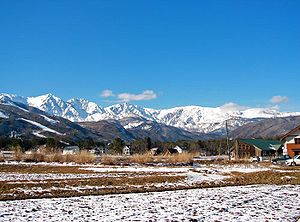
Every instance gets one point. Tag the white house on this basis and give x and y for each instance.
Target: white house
(71, 150)
(156, 151)
(126, 151)
(178, 149)
(98, 150)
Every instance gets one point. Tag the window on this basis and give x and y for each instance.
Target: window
(297, 140)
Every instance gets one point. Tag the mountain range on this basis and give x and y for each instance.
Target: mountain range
(131, 121)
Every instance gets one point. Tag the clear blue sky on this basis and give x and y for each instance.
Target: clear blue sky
(204, 53)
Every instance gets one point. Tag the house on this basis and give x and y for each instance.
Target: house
(175, 150)
(156, 151)
(71, 150)
(264, 149)
(98, 150)
(126, 151)
(178, 149)
(291, 142)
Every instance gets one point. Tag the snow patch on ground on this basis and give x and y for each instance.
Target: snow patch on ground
(196, 177)
(49, 176)
(138, 169)
(44, 128)
(49, 119)
(38, 134)
(240, 203)
(132, 125)
(229, 168)
(2, 115)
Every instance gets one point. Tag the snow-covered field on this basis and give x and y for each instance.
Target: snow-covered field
(202, 172)
(244, 203)
(235, 203)
(49, 176)
(57, 180)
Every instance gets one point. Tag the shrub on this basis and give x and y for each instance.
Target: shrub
(18, 155)
(1, 158)
(83, 157)
(141, 158)
(108, 160)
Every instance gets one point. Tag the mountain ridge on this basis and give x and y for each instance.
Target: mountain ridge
(196, 119)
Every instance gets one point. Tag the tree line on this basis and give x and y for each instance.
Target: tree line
(206, 147)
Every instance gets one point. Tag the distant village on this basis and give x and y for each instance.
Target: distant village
(254, 149)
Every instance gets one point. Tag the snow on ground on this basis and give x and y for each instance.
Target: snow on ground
(49, 119)
(2, 115)
(193, 176)
(38, 134)
(49, 176)
(210, 157)
(244, 203)
(241, 168)
(196, 174)
(138, 169)
(198, 177)
(45, 128)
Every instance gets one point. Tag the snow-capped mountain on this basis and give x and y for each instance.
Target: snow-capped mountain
(191, 118)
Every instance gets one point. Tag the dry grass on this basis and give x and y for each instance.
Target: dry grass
(83, 157)
(222, 161)
(108, 160)
(180, 158)
(269, 177)
(18, 154)
(84, 186)
(1, 158)
(39, 169)
(54, 157)
(116, 182)
(147, 158)
(48, 156)
(141, 158)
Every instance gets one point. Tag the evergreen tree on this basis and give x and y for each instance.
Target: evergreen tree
(117, 145)
(148, 143)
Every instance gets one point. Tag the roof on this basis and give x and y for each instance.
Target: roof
(289, 133)
(262, 144)
(178, 148)
(71, 148)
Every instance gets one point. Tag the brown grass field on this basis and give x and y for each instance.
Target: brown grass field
(101, 183)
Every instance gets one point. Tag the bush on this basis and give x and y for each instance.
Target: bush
(108, 160)
(84, 157)
(18, 155)
(141, 158)
(1, 158)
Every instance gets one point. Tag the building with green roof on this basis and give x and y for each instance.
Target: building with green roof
(264, 149)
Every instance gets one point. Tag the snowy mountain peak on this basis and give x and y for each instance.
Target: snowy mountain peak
(83, 104)
(191, 118)
(48, 103)
(7, 98)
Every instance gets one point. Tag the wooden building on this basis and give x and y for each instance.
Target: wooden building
(291, 142)
(263, 149)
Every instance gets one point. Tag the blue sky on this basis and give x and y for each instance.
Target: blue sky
(153, 53)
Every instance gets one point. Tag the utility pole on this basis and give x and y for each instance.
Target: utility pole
(227, 140)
